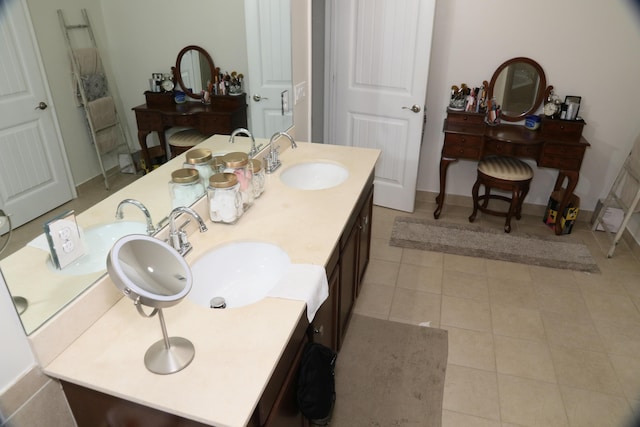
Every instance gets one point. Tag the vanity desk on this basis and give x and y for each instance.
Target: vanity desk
(221, 116)
(518, 87)
(558, 144)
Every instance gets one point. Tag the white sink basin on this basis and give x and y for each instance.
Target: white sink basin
(240, 272)
(98, 241)
(316, 175)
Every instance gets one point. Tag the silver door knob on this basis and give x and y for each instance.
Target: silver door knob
(415, 108)
(41, 106)
(258, 98)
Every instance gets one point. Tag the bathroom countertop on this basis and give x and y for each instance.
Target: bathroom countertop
(236, 349)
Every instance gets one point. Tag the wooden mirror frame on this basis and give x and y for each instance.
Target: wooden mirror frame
(177, 75)
(542, 93)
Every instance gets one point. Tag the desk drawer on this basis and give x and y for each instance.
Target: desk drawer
(571, 130)
(148, 120)
(562, 156)
(462, 117)
(216, 123)
(462, 146)
(499, 148)
(186, 121)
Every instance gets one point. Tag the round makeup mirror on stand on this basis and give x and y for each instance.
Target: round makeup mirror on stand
(152, 273)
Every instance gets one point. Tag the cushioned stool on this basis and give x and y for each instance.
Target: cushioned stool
(502, 173)
(184, 140)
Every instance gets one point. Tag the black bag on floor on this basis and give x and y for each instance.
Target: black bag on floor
(316, 392)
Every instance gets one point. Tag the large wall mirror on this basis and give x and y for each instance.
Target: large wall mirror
(51, 290)
(519, 87)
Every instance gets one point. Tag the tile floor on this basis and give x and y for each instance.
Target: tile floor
(528, 346)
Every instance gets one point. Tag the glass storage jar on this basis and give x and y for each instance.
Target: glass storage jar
(200, 159)
(225, 200)
(257, 177)
(237, 163)
(185, 187)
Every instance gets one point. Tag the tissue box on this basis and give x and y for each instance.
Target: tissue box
(569, 215)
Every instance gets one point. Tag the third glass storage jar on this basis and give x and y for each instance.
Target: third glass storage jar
(199, 159)
(257, 177)
(185, 187)
(225, 201)
(237, 163)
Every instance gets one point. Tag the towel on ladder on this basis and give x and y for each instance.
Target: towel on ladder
(89, 70)
(102, 113)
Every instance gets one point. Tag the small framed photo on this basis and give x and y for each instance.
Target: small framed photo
(572, 104)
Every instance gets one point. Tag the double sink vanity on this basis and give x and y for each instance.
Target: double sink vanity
(246, 358)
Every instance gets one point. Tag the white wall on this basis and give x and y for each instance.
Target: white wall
(589, 49)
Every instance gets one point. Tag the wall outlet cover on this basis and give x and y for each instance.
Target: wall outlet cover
(64, 239)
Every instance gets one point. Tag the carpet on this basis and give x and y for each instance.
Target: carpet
(565, 252)
(390, 374)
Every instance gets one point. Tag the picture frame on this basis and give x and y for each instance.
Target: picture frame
(572, 104)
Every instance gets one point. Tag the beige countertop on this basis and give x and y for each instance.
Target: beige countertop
(236, 349)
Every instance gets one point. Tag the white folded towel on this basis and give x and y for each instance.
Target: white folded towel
(304, 282)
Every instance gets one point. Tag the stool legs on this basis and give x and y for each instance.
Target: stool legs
(474, 194)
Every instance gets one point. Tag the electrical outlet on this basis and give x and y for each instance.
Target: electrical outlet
(284, 98)
(64, 239)
(300, 92)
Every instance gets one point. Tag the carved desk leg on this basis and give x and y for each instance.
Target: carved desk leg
(142, 140)
(572, 180)
(444, 165)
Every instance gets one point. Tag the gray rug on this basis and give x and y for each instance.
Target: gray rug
(390, 374)
(564, 252)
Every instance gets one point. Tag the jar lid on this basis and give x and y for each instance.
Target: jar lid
(223, 180)
(199, 155)
(256, 165)
(185, 176)
(237, 159)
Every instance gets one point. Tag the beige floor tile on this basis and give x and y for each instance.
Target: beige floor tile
(512, 292)
(426, 279)
(472, 392)
(508, 270)
(465, 285)
(423, 258)
(465, 264)
(375, 301)
(620, 337)
(553, 276)
(530, 403)
(562, 299)
(630, 282)
(415, 307)
(517, 322)
(382, 272)
(628, 371)
(603, 306)
(592, 409)
(381, 250)
(454, 419)
(584, 369)
(524, 358)
(473, 349)
(599, 283)
(466, 313)
(562, 332)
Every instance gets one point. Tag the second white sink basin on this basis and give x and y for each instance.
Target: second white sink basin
(315, 175)
(241, 273)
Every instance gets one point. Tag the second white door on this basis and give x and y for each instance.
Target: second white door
(380, 53)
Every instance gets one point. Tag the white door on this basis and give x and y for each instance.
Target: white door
(380, 52)
(34, 174)
(268, 25)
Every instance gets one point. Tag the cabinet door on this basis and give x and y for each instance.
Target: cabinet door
(348, 277)
(364, 239)
(325, 323)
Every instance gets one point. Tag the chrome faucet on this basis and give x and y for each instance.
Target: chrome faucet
(177, 236)
(243, 131)
(119, 215)
(272, 159)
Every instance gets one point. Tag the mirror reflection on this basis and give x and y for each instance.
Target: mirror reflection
(194, 69)
(518, 86)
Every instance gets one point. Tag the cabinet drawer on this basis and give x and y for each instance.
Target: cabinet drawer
(187, 121)
(530, 151)
(563, 128)
(500, 148)
(560, 163)
(462, 146)
(148, 121)
(462, 117)
(563, 150)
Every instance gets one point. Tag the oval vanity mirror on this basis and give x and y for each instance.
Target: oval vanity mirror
(152, 273)
(194, 69)
(519, 87)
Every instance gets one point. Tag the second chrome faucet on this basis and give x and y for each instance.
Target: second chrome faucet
(177, 235)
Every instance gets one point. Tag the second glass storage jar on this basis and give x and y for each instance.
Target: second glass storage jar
(199, 159)
(225, 200)
(185, 187)
(257, 177)
(237, 163)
